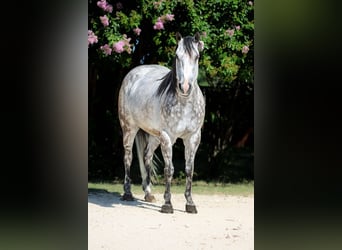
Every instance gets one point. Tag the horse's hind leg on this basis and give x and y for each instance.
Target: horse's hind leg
(128, 139)
(166, 147)
(190, 145)
(152, 145)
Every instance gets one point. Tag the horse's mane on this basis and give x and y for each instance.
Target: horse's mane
(169, 81)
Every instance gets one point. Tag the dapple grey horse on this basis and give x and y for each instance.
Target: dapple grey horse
(156, 106)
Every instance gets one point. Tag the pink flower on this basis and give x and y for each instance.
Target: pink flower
(250, 3)
(245, 49)
(102, 4)
(169, 17)
(137, 31)
(237, 27)
(92, 38)
(119, 46)
(104, 20)
(105, 6)
(109, 8)
(230, 32)
(106, 49)
(158, 25)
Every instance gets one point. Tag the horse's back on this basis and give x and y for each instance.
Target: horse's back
(144, 74)
(138, 104)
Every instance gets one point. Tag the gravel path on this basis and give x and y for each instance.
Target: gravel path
(222, 222)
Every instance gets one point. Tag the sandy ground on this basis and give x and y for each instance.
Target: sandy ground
(222, 222)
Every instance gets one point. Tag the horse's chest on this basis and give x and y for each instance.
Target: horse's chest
(182, 119)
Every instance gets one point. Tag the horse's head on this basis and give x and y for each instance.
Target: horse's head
(187, 55)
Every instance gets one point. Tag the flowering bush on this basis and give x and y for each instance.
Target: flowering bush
(124, 34)
(144, 32)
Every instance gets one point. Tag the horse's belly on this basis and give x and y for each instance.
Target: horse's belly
(147, 119)
(150, 127)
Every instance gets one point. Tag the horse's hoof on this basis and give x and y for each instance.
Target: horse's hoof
(150, 198)
(190, 209)
(167, 208)
(127, 197)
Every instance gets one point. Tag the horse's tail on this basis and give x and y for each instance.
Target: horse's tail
(141, 141)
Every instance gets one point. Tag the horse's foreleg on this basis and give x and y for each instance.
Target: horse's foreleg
(190, 145)
(166, 147)
(128, 139)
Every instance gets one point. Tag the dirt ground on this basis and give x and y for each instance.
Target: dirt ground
(222, 222)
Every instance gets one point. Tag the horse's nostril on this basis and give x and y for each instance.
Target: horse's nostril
(184, 88)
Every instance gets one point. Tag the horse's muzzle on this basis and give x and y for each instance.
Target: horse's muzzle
(185, 89)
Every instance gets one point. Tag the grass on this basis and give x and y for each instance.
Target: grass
(198, 187)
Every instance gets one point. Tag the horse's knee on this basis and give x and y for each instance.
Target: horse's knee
(167, 172)
(188, 171)
(148, 161)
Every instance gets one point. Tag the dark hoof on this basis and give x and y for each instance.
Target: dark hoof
(191, 209)
(127, 197)
(167, 208)
(150, 198)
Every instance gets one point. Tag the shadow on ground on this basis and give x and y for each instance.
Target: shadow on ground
(102, 197)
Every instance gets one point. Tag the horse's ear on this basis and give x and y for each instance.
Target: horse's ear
(200, 46)
(178, 37)
(197, 37)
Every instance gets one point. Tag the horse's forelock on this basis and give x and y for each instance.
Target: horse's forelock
(188, 44)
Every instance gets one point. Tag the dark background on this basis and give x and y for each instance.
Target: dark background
(297, 163)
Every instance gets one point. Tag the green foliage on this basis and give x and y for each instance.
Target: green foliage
(198, 187)
(223, 59)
